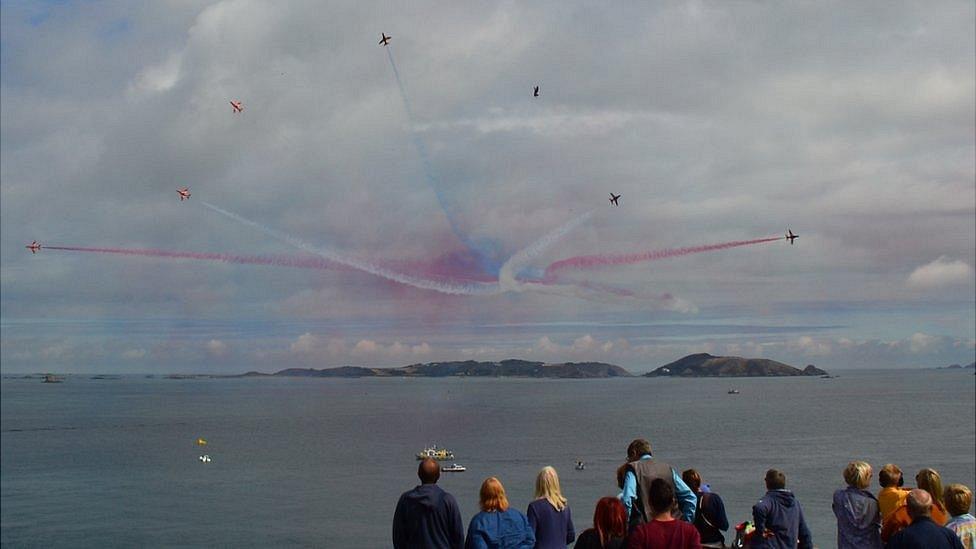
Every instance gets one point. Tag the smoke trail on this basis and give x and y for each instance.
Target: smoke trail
(602, 260)
(508, 271)
(484, 256)
(277, 261)
(473, 288)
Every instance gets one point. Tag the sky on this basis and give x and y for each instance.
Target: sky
(383, 206)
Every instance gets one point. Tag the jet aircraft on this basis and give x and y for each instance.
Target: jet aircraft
(385, 40)
(238, 107)
(184, 193)
(790, 236)
(535, 93)
(33, 247)
(614, 198)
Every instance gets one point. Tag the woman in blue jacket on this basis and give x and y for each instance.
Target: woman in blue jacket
(497, 525)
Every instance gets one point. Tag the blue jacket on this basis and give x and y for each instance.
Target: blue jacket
(858, 519)
(682, 494)
(553, 529)
(779, 512)
(500, 530)
(924, 534)
(427, 517)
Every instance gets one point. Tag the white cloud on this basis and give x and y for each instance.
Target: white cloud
(216, 347)
(134, 354)
(158, 78)
(941, 272)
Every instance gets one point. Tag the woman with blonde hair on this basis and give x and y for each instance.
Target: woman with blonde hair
(856, 509)
(498, 525)
(929, 480)
(549, 515)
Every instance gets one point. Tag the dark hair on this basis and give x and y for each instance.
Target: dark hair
(775, 480)
(662, 496)
(609, 519)
(622, 474)
(692, 479)
(428, 471)
(890, 475)
(638, 448)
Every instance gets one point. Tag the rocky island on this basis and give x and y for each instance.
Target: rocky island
(468, 368)
(706, 365)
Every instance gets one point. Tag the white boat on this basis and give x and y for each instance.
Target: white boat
(454, 468)
(580, 466)
(733, 391)
(205, 458)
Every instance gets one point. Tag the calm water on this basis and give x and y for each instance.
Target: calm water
(314, 462)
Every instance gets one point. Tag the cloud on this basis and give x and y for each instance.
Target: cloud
(216, 348)
(158, 78)
(134, 354)
(941, 273)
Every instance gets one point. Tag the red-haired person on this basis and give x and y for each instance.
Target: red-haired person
(498, 525)
(609, 526)
(663, 531)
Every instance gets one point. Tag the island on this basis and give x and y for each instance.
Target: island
(706, 365)
(467, 368)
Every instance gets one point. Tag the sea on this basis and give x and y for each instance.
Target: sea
(311, 462)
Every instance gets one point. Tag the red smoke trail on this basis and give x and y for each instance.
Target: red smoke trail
(434, 272)
(280, 261)
(604, 260)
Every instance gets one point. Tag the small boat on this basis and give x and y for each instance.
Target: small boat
(733, 391)
(580, 466)
(440, 454)
(205, 458)
(454, 468)
(51, 378)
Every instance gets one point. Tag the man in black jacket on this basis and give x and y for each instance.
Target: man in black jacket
(427, 516)
(922, 533)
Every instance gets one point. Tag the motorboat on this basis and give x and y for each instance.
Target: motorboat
(440, 454)
(454, 468)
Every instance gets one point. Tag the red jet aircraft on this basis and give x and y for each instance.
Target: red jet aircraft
(184, 193)
(238, 107)
(33, 247)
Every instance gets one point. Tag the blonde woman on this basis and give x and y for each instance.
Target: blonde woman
(856, 509)
(548, 514)
(497, 525)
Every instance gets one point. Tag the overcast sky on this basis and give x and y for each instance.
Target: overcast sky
(413, 221)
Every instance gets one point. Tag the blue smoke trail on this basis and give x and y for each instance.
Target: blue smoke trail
(486, 252)
(472, 288)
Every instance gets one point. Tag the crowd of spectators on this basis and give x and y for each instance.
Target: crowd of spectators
(658, 508)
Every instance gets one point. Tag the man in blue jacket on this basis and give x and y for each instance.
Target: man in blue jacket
(779, 518)
(428, 516)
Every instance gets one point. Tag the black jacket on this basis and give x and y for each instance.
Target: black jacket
(427, 517)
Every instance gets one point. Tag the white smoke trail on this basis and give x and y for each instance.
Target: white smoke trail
(475, 288)
(508, 271)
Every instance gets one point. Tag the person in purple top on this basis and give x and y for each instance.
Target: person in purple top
(549, 515)
(856, 509)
